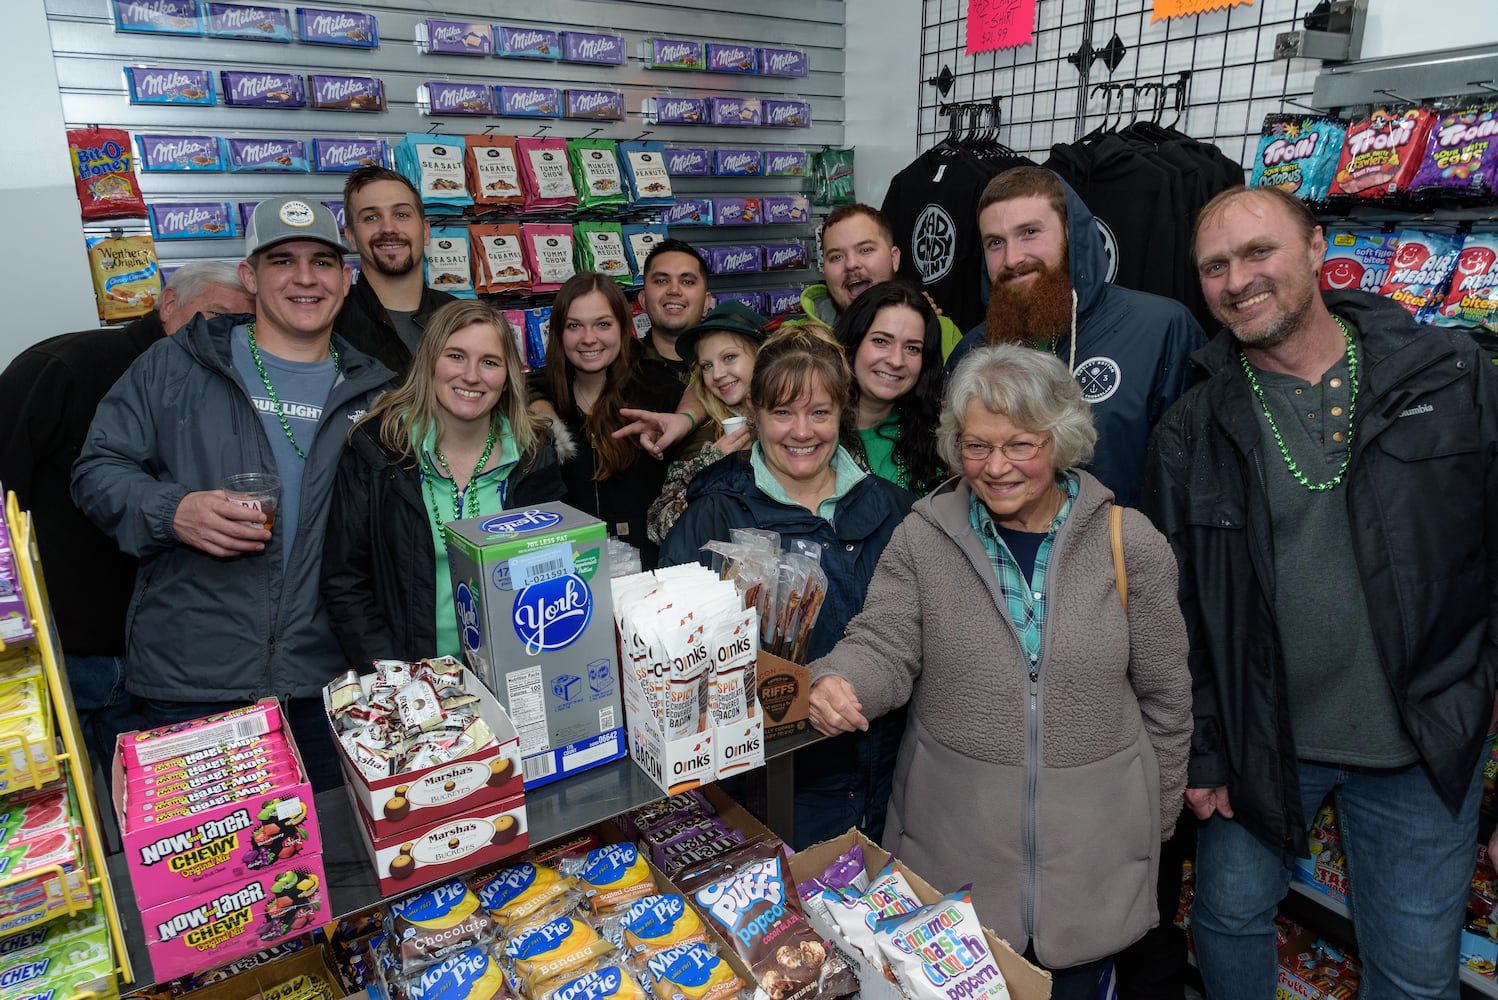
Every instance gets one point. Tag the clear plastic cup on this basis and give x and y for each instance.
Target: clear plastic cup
(258, 491)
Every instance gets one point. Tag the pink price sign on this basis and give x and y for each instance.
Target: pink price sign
(999, 24)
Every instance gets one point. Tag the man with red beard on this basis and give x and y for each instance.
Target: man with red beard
(1128, 350)
(388, 306)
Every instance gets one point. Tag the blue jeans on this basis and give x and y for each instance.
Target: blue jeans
(98, 686)
(1409, 865)
(846, 781)
(1079, 982)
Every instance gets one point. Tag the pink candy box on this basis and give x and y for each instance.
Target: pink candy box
(154, 746)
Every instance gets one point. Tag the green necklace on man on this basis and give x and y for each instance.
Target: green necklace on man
(271, 390)
(1352, 405)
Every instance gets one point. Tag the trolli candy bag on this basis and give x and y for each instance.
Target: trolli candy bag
(1459, 144)
(545, 175)
(1473, 298)
(1298, 154)
(1420, 271)
(1357, 260)
(1382, 153)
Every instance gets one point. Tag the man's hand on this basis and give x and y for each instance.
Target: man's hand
(835, 708)
(212, 523)
(657, 431)
(1205, 801)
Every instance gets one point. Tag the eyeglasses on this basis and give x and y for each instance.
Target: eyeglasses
(1015, 451)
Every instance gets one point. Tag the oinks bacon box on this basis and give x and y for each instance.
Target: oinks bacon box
(531, 593)
(219, 837)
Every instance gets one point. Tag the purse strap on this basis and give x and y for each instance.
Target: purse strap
(1120, 572)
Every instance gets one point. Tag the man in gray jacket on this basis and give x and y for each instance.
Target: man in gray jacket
(225, 608)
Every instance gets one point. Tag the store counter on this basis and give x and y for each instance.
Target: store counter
(552, 811)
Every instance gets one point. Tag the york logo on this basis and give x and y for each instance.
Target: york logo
(521, 521)
(467, 604)
(553, 614)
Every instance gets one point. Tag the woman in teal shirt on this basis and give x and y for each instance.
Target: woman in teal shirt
(455, 440)
(893, 341)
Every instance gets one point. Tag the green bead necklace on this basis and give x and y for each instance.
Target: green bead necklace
(472, 494)
(1352, 406)
(271, 390)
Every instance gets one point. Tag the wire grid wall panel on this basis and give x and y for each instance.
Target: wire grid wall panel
(1235, 79)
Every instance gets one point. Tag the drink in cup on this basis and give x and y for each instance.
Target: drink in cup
(731, 424)
(258, 491)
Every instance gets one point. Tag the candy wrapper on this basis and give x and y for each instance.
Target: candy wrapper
(610, 981)
(529, 102)
(1382, 153)
(856, 914)
(643, 165)
(127, 280)
(250, 23)
(348, 155)
(734, 260)
(735, 111)
(675, 110)
(747, 298)
(1357, 260)
(788, 256)
(167, 17)
(272, 155)
(787, 114)
(545, 175)
(787, 163)
(548, 255)
(435, 165)
(781, 210)
(780, 301)
(104, 175)
(593, 47)
(663, 811)
(688, 161)
(1298, 154)
(639, 240)
(346, 93)
(161, 85)
(833, 169)
(673, 53)
(553, 951)
(614, 876)
(500, 259)
(782, 62)
(424, 928)
(493, 171)
(438, 97)
(192, 220)
(473, 973)
(1461, 154)
(940, 951)
(180, 152)
(263, 90)
(526, 895)
(527, 43)
(347, 28)
(449, 264)
(730, 57)
(693, 972)
(537, 321)
(845, 872)
(689, 212)
(379, 741)
(1421, 271)
(738, 162)
(596, 175)
(454, 38)
(737, 211)
(599, 105)
(1473, 298)
(600, 248)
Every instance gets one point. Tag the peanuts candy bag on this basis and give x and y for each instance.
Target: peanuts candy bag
(104, 174)
(127, 281)
(940, 951)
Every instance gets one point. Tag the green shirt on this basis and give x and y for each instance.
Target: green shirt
(437, 492)
(846, 470)
(879, 448)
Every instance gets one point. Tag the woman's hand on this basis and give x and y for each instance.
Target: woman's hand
(657, 431)
(734, 440)
(835, 708)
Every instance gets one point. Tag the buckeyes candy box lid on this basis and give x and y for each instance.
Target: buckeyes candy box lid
(749, 893)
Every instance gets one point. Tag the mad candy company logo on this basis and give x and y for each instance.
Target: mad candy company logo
(468, 616)
(553, 614)
(521, 521)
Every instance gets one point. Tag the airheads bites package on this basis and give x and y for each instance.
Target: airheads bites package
(595, 172)
(639, 240)
(1460, 153)
(435, 165)
(545, 175)
(600, 247)
(1473, 298)
(1382, 153)
(644, 168)
(493, 171)
(548, 254)
(500, 261)
(1421, 270)
(449, 266)
(1298, 154)
(940, 951)
(1357, 260)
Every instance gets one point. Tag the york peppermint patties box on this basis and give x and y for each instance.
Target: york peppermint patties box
(531, 594)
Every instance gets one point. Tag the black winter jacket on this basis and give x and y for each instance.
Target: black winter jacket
(1422, 502)
(379, 567)
(365, 322)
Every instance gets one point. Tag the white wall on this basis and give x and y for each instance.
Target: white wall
(1394, 28)
(44, 280)
(881, 91)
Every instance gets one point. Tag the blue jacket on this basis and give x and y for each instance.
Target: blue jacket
(202, 629)
(723, 496)
(1131, 356)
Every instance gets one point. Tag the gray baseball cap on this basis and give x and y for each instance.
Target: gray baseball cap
(281, 220)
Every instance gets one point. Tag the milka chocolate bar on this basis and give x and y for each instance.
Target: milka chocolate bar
(782, 62)
(737, 211)
(724, 57)
(264, 90)
(180, 152)
(688, 162)
(267, 154)
(592, 47)
(162, 85)
(192, 220)
(347, 93)
(529, 102)
(345, 155)
(781, 300)
(446, 98)
(737, 162)
(735, 111)
(734, 260)
(789, 256)
(786, 209)
(787, 163)
(787, 114)
(688, 212)
(527, 43)
(607, 105)
(319, 26)
(680, 110)
(675, 53)
(170, 17)
(456, 38)
(249, 22)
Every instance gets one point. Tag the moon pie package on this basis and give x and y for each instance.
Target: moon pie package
(425, 928)
(1298, 154)
(473, 973)
(600, 247)
(548, 254)
(564, 947)
(500, 260)
(1357, 260)
(655, 923)
(435, 165)
(1473, 298)
(1382, 153)
(692, 972)
(126, 277)
(608, 982)
(493, 172)
(595, 172)
(545, 174)
(525, 895)
(612, 877)
(646, 180)
(1460, 154)
(939, 951)
(749, 894)
(1421, 270)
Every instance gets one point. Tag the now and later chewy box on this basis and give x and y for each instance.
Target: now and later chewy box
(534, 609)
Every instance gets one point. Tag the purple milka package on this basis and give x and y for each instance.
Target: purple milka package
(192, 220)
(786, 209)
(751, 299)
(347, 93)
(168, 17)
(682, 161)
(735, 111)
(247, 22)
(527, 43)
(782, 62)
(606, 105)
(688, 212)
(455, 38)
(180, 152)
(779, 301)
(788, 256)
(737, 211)
(442, 97)
(737, 162)
(729, 57)
(350, 28)
(163, 85)
(735, 260)
(530, 102)
(592, 47)
(267, 154)
(264, 90)
(787, 163)
(347, 155)
(787, 114)
(677, 110)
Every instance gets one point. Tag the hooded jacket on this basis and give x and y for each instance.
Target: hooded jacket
(1422, 504)
(817, 303)
(200, 628)
(365, 323)
(1050, 796)
(1130, 352)
(379, 566)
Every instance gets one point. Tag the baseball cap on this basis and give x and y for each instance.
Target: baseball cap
(281, 220)
(729, 317)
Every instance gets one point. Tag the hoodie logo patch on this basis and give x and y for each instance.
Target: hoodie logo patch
(1110, 247)
(934, 243)
(1099, 378)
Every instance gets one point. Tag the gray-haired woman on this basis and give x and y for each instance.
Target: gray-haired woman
(1045, 755)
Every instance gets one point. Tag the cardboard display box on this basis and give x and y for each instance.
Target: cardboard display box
(785, 694)
(420, 798)
(531, 592)
(1025, 981)
(447, 846)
